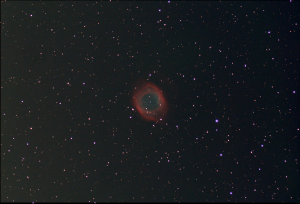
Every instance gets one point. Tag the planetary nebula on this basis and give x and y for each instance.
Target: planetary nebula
(150, 102)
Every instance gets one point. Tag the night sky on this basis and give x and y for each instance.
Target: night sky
(229, 128)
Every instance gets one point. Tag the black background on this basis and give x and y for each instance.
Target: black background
(70, 133)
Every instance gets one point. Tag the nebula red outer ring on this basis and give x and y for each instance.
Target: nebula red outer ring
(157, 115)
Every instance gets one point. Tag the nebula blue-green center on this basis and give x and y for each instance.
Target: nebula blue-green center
(150, 101)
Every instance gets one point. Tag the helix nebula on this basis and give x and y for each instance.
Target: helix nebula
(150, 102)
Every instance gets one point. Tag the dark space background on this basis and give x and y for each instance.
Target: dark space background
(230, 74)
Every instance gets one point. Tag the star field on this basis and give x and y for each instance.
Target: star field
(229, 72)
